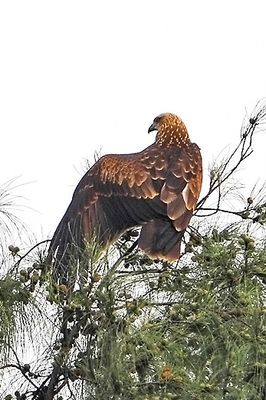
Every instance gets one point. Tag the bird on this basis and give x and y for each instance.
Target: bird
(156, 189)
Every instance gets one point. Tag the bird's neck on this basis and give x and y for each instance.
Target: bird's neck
(173, 136)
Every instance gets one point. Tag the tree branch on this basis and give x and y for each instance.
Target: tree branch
(242, 151)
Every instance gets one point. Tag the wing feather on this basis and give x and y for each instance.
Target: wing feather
(122, 191)
(111, 197)
(182, 185)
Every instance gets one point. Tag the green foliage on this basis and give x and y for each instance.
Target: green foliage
(13, 298)
(125, 327)
(131, 328)
(203, 323)
(136, 331)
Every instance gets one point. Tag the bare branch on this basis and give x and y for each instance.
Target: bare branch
(222, 173)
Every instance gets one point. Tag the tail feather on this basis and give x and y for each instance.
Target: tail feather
(66, 243)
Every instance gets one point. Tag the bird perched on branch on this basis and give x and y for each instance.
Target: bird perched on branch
(156, 189)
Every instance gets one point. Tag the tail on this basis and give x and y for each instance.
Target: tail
(160, 240)
(65, 250)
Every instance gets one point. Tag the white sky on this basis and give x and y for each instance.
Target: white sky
(77, 76)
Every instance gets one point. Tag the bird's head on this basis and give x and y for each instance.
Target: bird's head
(171, 130)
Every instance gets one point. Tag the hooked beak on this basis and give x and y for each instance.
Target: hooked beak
(152, 128)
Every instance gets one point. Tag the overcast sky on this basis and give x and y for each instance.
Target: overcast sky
(80, 76)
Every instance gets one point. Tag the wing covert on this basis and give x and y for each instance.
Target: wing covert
(116, 193)
(125, 175)
(182, 186)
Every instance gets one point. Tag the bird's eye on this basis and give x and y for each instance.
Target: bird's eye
(156, 120)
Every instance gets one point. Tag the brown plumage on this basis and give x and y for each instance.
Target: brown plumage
(156, 189)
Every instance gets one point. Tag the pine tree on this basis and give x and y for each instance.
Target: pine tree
(135, 329)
